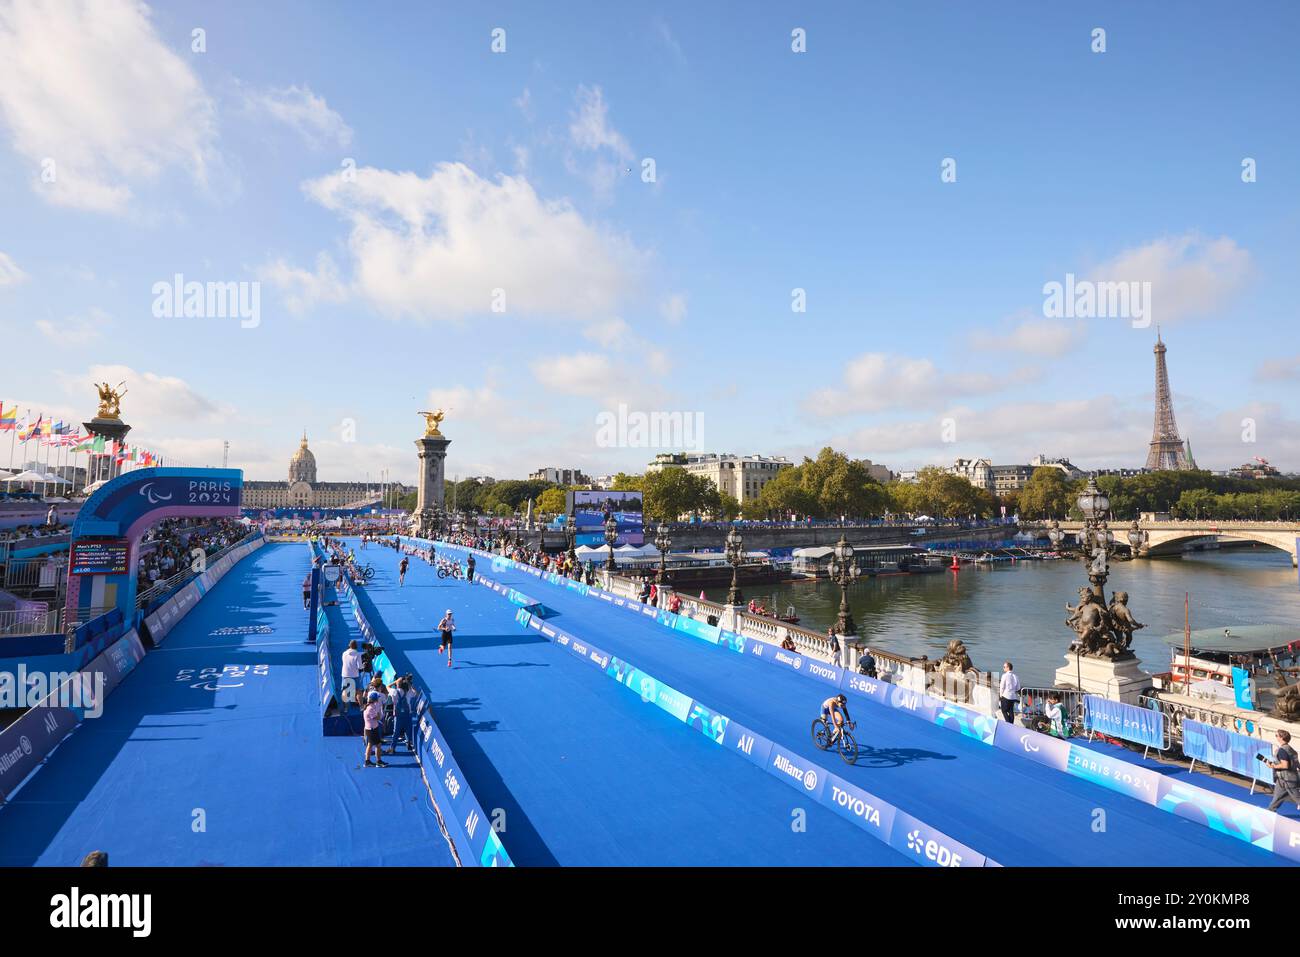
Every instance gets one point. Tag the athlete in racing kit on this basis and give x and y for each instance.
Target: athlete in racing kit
(835, 711)
(401, 571)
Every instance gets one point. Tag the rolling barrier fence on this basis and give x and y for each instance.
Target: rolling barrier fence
(1237, 819)
(1144, 726)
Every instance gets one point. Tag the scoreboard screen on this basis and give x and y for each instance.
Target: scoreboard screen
(106, 556)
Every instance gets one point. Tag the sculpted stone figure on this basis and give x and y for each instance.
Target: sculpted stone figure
(1089, 621)
(1287, 703)
(1122, 620)
(956, 658)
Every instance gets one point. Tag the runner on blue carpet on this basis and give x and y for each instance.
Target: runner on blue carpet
(445, 629)
(401, 571)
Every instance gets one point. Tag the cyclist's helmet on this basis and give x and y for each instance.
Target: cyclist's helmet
(841, 699)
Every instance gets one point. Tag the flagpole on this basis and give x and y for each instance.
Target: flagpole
(13, 439)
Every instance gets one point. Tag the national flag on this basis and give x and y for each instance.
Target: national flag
(93, 444)
(25, 432)
(8, 420)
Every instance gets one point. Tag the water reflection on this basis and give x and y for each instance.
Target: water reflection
(1017, 611)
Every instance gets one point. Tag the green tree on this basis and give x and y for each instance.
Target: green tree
(1047, 494)
(552, 500)
(673, 492)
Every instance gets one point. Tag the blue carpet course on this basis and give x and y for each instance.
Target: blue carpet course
(584, 772)
(1015, 811)
(222, 730)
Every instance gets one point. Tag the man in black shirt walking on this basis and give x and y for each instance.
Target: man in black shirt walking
(1286, 772)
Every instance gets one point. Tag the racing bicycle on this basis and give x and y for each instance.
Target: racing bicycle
(845, 743)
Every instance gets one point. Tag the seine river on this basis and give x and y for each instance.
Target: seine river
(1017, 611)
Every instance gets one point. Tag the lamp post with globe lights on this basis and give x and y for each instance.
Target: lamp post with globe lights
(611, 536)
(735, 555)
(844, 570)
(571, 533)
(663, 542)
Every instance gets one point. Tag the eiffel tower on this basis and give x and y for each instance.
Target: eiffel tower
(1167, 452)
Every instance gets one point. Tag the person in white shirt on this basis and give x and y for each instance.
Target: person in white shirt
(351, 673)
(1008, 692)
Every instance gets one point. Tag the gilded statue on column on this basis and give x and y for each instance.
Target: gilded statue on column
(110, 400)
(431, 422)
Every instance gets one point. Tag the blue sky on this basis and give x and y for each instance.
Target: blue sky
(381, 173)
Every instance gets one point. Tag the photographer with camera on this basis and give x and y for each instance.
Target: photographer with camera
(1286, 771)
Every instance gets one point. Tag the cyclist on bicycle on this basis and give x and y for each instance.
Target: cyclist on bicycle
(401, 571)
(835, 712)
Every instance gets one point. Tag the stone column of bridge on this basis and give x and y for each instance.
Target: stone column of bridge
(432, 450)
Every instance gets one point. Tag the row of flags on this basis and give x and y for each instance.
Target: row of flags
(56, 433)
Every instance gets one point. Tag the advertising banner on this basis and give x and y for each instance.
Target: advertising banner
(27, 742)
(1227, 749)
(471, 830)
(1141, 784)
(1043, 748)
(1245, 822)
(929, 847)
(117, 661)
(981, 727)
(748, 744)
(1144, 726)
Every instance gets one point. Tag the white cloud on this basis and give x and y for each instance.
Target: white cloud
(304, 288)
(589, 127)
(75, 330)
(1190, 276)
(591, 132)
(438, 247)
(302, 111)
(666, 37)
(875, 381)
(583, 373)
(610, 333)
(525, 103)
(151, 400)
(1032, 336)
(1280, 370)
(88, 85)
(10, 274)
(673, 309)
(1093, 430)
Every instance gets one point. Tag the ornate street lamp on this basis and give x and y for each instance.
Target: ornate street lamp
(611, 536)
(1136, 537)
(735, 555)
(663, 542)
(844, 570)
(571, 531)
(1101, 631)
(1055, 534)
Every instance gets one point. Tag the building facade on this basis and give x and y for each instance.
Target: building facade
(560, 476)
(740, 476)
(301, 490)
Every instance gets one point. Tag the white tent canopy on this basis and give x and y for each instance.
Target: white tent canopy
(28, 476)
